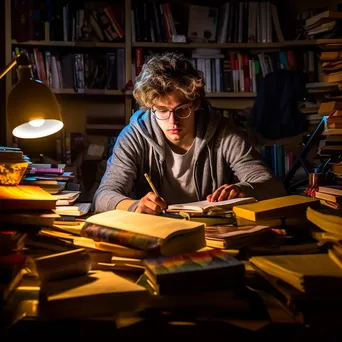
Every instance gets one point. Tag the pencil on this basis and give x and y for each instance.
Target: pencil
(152, 187)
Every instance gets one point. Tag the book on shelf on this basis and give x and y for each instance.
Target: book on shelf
(149, 233)
(310, 273)
(194, 272)
(322, 17)
(206, 206)
(286, 206)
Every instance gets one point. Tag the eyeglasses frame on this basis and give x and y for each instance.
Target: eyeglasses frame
(174, 112)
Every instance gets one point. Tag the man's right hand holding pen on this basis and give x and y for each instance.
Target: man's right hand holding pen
(151, 204)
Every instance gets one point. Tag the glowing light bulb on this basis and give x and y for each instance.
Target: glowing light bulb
(37, 123)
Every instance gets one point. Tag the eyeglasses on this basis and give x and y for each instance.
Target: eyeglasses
(164, 114)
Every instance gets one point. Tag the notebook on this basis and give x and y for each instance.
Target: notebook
(286, 206)
(205, 206)
(150, 233)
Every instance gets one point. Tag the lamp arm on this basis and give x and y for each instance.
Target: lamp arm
(20, 59)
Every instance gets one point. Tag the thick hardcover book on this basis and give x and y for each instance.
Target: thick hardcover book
(200, 271)
(286, 206)
(25, 197)
(150, 233)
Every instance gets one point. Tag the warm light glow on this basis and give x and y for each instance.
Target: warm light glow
(28, 131)
(37, 123)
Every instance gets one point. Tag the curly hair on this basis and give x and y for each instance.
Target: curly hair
(166, 73)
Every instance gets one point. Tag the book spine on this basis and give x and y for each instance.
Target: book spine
(120, 237)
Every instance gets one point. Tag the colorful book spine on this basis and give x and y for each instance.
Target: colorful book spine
(120, 237)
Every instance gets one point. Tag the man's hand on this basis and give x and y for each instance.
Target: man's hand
(151, 204)
(224, 192)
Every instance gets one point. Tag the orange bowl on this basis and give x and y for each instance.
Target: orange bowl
(12, 173)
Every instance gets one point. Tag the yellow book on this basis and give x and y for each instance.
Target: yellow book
(328, 219)
(286, 206)
(150, 233)
(305, 272)
(335, 255)
(25, 197)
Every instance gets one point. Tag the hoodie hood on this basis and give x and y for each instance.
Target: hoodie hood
(206, 126)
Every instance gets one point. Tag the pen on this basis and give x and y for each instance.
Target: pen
(152, 187)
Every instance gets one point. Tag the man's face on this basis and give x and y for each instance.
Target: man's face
(179, 132)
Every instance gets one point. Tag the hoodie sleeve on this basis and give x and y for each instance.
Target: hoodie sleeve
(120, 174)
(255, 178)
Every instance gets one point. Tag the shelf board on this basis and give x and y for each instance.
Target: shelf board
(89, 92)
(288, 43)
(74, 44)
(231, 95)
(337, 41)
(291, 43)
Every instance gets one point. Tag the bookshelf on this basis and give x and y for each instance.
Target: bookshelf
(77, 104)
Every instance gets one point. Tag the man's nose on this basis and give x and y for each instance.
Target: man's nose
(173, 118)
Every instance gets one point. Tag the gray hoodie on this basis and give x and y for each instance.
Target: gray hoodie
(223, 156)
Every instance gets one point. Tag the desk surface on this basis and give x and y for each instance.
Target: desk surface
(268, 320)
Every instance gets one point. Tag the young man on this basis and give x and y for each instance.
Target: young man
(190, 151)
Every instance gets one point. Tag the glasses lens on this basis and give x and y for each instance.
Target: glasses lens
(183, 113)
(161, 114)
(164, 114)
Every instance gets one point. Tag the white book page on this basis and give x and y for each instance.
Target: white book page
(205, 205)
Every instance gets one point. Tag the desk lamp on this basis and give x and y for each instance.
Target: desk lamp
(32, 108)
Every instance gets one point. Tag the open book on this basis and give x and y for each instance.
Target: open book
(151, 233)
(205, 206)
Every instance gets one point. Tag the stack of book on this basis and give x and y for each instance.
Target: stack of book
(23, 211)
(330, 144)
(51, 178)
(329, 223)
(58, 182)
(326, 24)
(330, 195)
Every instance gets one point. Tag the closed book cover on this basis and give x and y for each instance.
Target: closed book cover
(203, 270)
(276, 207)
(157, 234)
(25, 197)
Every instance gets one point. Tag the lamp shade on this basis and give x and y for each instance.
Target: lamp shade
(32, 109)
